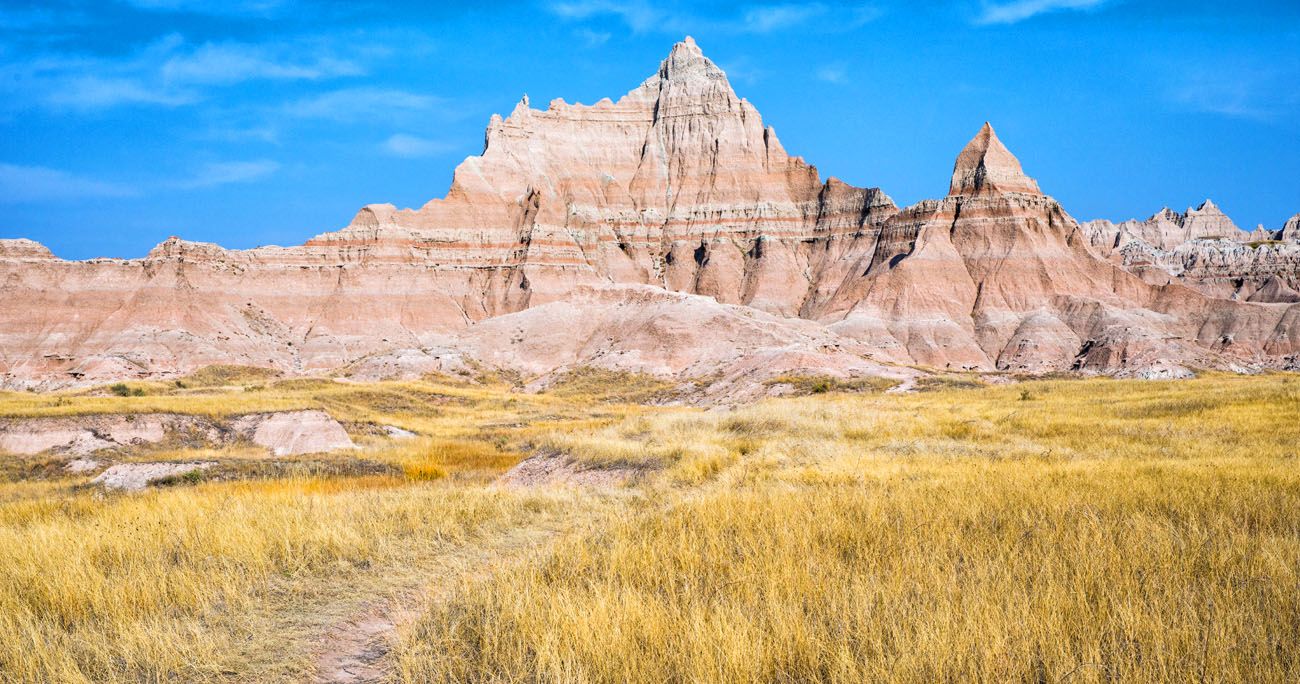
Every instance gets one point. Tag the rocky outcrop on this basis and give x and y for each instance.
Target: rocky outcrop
(1291, 231)
(1002, 278)
(289, 433)
(564, 242)
(133, 477)
(283, 433)
(1204, 250)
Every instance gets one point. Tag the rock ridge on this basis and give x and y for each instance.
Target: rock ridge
(680, 192)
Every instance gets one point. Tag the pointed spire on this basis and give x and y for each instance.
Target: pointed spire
(686, 61)
(986, 167)
(1208, 206)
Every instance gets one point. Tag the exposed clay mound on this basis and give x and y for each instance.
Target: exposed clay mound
(284, 433)
(81, 435)
(133, 477)
(554, 469)
(294, 432)
(677, 186)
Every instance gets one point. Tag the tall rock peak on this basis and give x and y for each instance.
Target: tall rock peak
(686, 62)
(986, 167)
(1207, 207)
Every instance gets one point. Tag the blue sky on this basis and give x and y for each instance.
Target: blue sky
(269, 121)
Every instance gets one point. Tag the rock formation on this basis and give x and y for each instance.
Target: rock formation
(1205, 250)
(564, 242)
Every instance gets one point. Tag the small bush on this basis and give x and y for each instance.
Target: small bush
(121, 389)
(821, 384)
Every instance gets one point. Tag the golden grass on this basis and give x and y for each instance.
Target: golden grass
(1078, 531)
(1046, 531)
(622, 387)
(199, 583)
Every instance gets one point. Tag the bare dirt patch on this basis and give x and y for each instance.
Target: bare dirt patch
(557, 469)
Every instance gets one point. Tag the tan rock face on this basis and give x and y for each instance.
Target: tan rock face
(676, 187)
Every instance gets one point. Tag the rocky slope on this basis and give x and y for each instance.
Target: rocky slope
(561, 245)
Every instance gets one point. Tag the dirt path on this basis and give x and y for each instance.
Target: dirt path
(356, 650)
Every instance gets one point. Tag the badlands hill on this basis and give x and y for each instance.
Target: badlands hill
(670, 233)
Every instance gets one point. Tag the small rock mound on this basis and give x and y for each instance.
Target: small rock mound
(133, 477)
(552, 469)
(295, 432)
(78, 466)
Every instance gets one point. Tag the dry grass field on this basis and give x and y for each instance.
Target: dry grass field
(1041, 531)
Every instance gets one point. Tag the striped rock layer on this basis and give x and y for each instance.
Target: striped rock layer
(676, 199)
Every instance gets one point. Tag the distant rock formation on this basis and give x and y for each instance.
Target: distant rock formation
(1205, 250)
(562, 243)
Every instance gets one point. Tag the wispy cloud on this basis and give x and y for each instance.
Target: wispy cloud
(1242, 91)
(643, 17)
(1020, 10)
(228, 63)
(410, 146)
(225, 173)
(768, 19)
(99, 92)
(255, 8)
(363, 103)
(166, 72)
(639, 16)
(24, 184)
(832, 73)
(593, 38)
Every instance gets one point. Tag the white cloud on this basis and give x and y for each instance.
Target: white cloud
(771, 18)
(832, 73)
(1020, 10)
(1240, 90)
(220, 8)
(167, 72)
(22, 184)
(225, 173)
(410, 146)
(641, 16)
(353, 104)
(95, 92)
(229, 63)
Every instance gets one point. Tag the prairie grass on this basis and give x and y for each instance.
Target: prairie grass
(208, 582)
(1079, 531)
(1045, 531)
